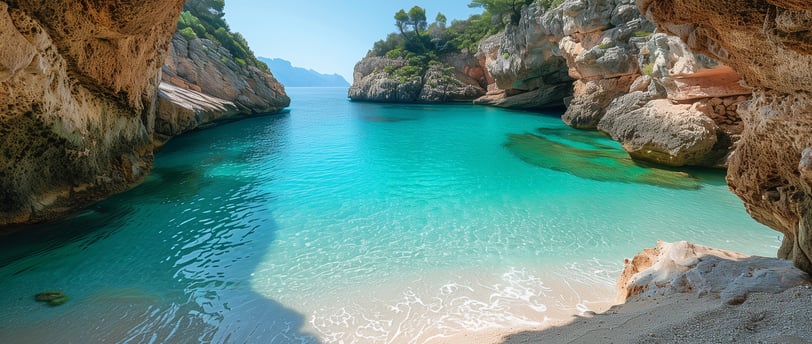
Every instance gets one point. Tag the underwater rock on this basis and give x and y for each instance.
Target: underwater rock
(52, 297)
(581, 153)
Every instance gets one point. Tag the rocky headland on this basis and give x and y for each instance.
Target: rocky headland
(457, 78)
(79, 89)
(202, 84)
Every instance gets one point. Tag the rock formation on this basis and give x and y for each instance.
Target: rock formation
(769, 43)
(203, 84)
(456, 79)
(78, 85)
(611, 51)
(682, 267)
(524, 71)
(588, 55)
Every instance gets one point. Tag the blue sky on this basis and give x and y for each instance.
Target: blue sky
(328, 36)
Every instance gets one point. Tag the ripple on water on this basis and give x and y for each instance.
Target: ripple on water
(432, 307)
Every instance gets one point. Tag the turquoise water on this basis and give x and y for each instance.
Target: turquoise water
(357, 222)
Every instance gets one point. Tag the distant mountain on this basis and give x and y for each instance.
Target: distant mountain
(291, 76)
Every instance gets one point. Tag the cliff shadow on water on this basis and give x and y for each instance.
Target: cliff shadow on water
(591, 155)
(185, 279)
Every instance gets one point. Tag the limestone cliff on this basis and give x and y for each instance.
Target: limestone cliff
(456, 78)
(203, 84)
(769, 43)
(524, 68)
(77, 91)
(625, 73)
(600, 58)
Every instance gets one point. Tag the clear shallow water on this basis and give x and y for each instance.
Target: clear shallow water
(363, 223)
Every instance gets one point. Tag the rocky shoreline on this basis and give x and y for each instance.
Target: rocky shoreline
(683, 83)
(85, 102)
(671, 91)
(603, 62)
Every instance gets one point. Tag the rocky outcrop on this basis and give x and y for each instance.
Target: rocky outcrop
(665, 133)
(611, 50)
(524, 69)
(768, 42)
(78, 85)
(600, 46)
(682, 267)
(184, 109)
(203, 84)
(457, 78)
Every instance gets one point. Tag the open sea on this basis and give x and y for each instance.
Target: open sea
(344, 222)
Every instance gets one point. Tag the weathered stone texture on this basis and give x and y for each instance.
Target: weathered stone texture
(78, 85)
(210, 86)
(768, 42)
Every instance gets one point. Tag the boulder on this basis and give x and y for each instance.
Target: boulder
(665, 133)
(683, 267)
(591, 98)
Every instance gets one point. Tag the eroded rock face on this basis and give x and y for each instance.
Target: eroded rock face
(683, 267)
(523, 63)
(78, 85)
(601, 49)
(202, 84)
(768, 42)
(611, 50)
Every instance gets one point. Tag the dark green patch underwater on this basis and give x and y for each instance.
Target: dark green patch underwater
(580, 153)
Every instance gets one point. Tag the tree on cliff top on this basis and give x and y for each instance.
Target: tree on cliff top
(416, 20)
(461, 35)
(501, 9)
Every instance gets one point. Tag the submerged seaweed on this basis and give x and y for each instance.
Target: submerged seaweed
(52, 297)
(583, 155)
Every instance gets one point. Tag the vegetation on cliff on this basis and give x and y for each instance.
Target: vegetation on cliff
(509, 11)
(422, 44)
(205, 19)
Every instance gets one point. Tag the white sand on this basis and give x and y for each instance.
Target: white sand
(684, 318)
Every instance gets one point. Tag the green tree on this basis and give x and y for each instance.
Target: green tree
(401, 21)
(414, 19)
(502, 9)
(440, 20)
(410, 24)
(417, 18)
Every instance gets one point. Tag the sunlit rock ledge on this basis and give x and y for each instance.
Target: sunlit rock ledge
(683, 267)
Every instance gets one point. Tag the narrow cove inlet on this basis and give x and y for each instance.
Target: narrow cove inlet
(352, 222)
